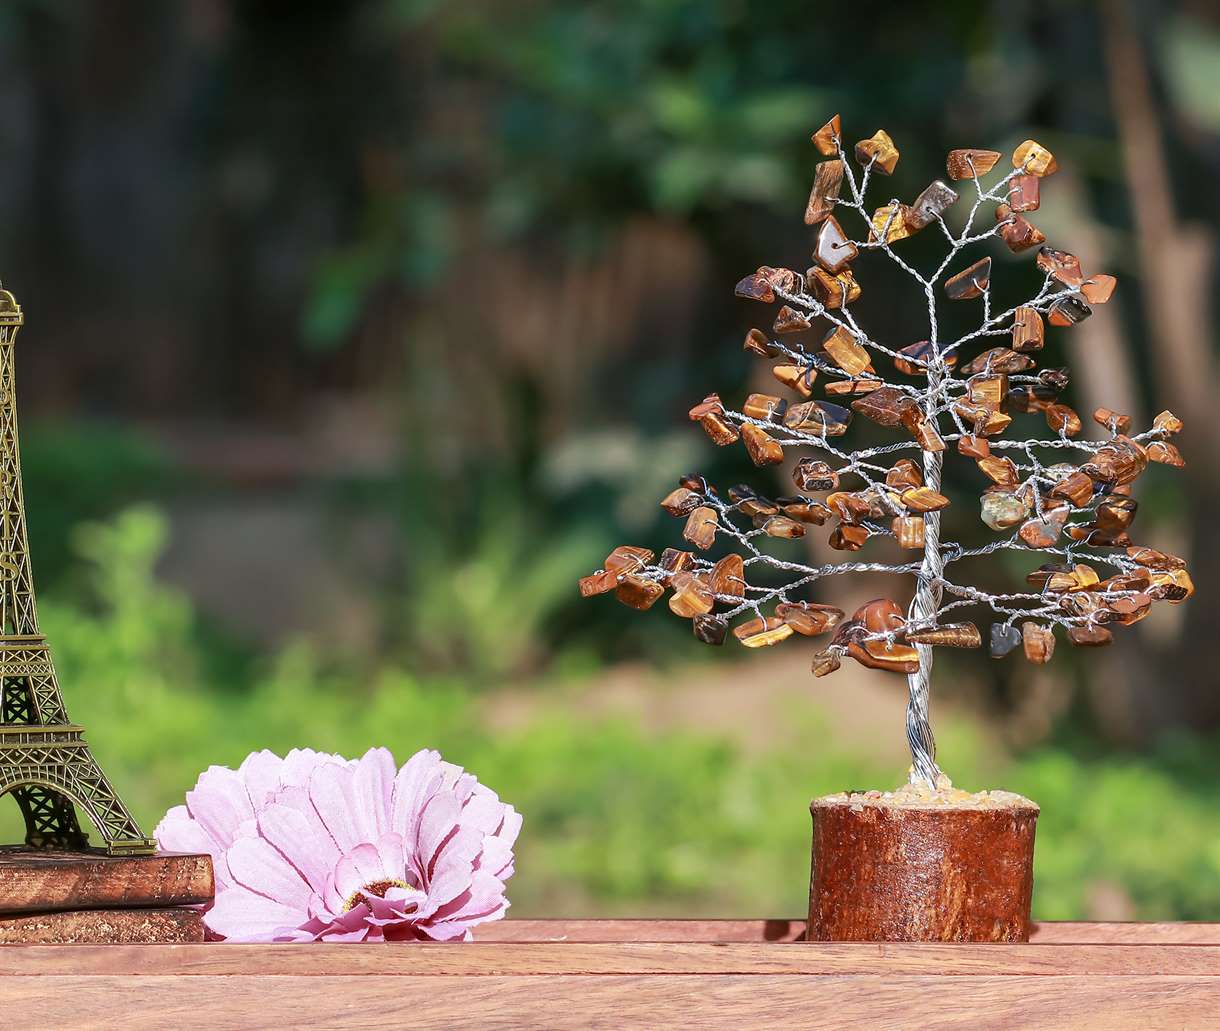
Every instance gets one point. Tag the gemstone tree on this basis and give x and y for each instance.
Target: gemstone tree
(942, 392)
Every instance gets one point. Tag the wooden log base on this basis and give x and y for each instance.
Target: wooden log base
(105, 927)
(48, 882)
(922, 865)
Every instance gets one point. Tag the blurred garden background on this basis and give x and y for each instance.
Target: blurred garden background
(357, 332)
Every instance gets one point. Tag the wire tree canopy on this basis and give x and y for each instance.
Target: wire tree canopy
(1052, 494)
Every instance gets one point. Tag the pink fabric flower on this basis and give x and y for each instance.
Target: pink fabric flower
(313, 847)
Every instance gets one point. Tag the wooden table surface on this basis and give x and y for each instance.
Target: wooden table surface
(739, 974)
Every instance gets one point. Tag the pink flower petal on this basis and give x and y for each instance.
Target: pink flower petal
(241, 915)
(220, 803)
(257, 866)
(291, 832)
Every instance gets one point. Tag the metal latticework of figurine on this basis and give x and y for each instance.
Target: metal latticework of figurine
(45, 763)
(943, 390)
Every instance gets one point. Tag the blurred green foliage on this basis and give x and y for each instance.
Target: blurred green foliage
(620, 818)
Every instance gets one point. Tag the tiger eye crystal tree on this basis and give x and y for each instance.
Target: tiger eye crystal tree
(1046, 490)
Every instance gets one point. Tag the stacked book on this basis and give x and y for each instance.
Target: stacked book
(90, 898)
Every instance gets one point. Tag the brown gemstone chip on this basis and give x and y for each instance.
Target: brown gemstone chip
(820, 417)
(826, 138)
(1098, 289)
(783, 527)
(973, 446)
(851, 506)
(1023, 193)
(766, 407)
(755, 288)
(757, 342)
(680, 502)
(1001, 471)
(827, 182)
(1089, 636)
(720, 430)
(638, 592)
(759, 633)
(833, 250)
(934, 201)
(796, 377)
(1034, 159)
(909, 532)
(833, 290)
(762, 448)
(1118, 461)
(903, 474)
(825, 663)
(921, 352)
(879, 152)
(969, 163)
(598, 583)
(987, 389)
(889, 223)
(998, 359)
(1043, 533)
(1067, 311)
(923, 499)
(628, 559)
(1150, 558)
(674, 560)
(1017, 231)
(789, 320)
(862, 385)
(750, 503)
(1038, 641)
(884, 405)
(1115, 422)
(1173, 586)
(948, 635)
(808, 618)
(848, 538)
(1063, 266)
(922, 429)
(813, 474)
(1077, 488)
(1165, 453)
(970, 282)
(710, 629)
(1167, 422)
(691, 595)
(805, 509)
(1028, 333)
(883, 616)
(848, 354)
(701, 527)
(728, 577)
(1063, 420)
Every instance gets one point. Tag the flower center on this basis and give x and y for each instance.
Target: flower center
(377, 888)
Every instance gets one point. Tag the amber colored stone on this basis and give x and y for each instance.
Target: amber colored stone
(1027, 398)
(833, 250)
(1120, 460)
(846, 351)
(889, 223)
(903, 474)
(948, 635)
(757, 342)
(1113, 421)
(1039, 642)
(808, 618)
(969, 163)
(1034, 159)
(826, 138)
(789, 320)
(1017, 231)
(696, 483)
(1098, 289)
(1089, 636)
(638, 592)
(701, 527)
(759, 633)
(1002, 509)
(909, 532)
(1115, 512)
(783, 527)
(883, 616)
(755, 288)
(750, 502)
(691, 595)
(673, 560)
(710, 629)
(813, 474)
(970, 282)
(627, 558)
(762, 448)
(1173, 586)
(884, 405)
(931, 204)
(825, 663)
(1165, 453)
(987, 389)
(848, 538)
(1067, 311)
(728, 577)
(879, 151)
(1004, 638)
(1167, 422)
(805, 509)
(820, 417)
(1150, 558)
(827, 183)
(922, 429)
(863, 385)
(720, 430)
(923, 499)
(710, 405)
(1028, 333)
(973, 446)
(986, 420)
(1063, 266)
(781, 278)
(920, 352)
(598, 583)
(1076, 487)
(1043, 533)
(765, 407)
(680, 502)
(796, 377)
(1063, 420)
(834, 290)
(850, 506)
(1001, 471)
(1023, 193)
(998, 360)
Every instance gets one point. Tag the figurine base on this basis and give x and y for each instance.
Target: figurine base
(916, 865)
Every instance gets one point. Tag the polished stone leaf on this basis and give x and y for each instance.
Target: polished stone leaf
(970, 282)
(969, 163)
(879, 151)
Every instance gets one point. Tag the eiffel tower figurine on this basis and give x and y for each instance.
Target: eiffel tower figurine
(44, 760)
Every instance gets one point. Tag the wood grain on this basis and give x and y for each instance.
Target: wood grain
(46, 882)
(104, 927)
